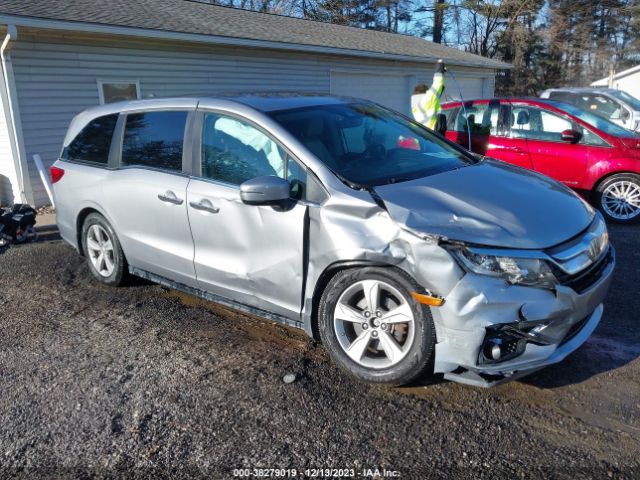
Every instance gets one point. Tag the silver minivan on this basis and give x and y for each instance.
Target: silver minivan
(403, 253)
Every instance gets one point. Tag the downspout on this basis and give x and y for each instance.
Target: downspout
(13, 118)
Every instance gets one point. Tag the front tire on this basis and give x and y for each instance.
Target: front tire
(103, 251)
(373, 328)
(618, 198)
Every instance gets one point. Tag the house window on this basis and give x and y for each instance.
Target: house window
(118, 90)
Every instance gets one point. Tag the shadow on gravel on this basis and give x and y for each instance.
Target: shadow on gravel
(48, 233)
(616, 341)
(597, 356)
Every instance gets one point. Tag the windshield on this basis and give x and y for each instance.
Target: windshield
(630, 100)
(370, 145)
(599, 122)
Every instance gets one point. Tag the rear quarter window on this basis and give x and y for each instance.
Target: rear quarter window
(92, 144)
(154, 139)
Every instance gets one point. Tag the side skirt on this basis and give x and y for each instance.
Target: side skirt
(212, 297)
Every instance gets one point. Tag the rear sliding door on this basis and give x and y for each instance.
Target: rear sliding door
(146, 197)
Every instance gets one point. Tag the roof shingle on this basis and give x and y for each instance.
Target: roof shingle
(190, 17)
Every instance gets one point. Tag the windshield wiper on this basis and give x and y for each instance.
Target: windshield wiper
(392, 180)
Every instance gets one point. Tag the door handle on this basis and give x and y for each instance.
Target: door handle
(170, 197)
(204, 205)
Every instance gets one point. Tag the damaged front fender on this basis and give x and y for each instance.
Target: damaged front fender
(353, 230)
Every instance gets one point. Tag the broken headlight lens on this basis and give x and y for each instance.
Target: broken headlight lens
(521, 271)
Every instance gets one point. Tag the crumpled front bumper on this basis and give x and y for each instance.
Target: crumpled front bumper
(478, 303)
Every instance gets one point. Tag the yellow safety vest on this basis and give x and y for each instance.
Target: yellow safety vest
(431, 101)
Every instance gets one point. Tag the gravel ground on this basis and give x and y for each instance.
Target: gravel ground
(146, 382)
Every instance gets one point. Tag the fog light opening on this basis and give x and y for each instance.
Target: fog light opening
(495, 352)
(500, 346)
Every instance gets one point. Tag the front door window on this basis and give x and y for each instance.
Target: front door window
(540, 132)
(234, 151)
(249, 253)
(534, 123)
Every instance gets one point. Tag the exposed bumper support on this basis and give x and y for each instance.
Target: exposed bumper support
(489, 332)
(495, 375)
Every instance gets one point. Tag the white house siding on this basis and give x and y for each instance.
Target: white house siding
(393, 91)
(56, 77)
(464, 84)
(8, 178)
(627, 80)
(629, 84)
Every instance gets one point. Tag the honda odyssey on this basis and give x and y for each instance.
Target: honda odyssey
(403, 253)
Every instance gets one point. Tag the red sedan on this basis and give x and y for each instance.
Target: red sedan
(595, 157)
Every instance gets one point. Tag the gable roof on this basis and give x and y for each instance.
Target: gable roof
(198, 19)
(604, 82)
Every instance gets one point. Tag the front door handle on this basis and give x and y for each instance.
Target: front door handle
(204, 205)
(170, 197)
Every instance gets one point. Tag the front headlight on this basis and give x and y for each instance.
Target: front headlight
(521, 271)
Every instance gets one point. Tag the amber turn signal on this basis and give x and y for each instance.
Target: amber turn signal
(428, 299)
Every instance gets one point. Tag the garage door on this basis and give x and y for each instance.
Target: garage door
(392, 91)
(471, 88)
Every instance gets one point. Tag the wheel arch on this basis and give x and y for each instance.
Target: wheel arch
(607, 176)
(82, 216)
(325, 277)
(80, 219)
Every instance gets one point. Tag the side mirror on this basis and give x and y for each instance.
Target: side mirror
(625, 114)
(441, 124)
(264, 190)
(570, 136)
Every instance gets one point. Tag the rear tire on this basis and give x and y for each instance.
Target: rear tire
(398, 341)
(618, 198)
(103, 251)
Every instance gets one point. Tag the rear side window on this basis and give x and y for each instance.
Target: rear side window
(535, 123)
(154, 139)
(92, 144)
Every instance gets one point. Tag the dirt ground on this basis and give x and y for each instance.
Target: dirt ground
(146, 382)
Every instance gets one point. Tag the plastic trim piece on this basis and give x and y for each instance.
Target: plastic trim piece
(197, 292)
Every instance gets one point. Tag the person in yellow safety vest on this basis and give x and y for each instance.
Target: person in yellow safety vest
(426, 107)
(417, 99)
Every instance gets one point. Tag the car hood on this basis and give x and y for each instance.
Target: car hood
(490, 203)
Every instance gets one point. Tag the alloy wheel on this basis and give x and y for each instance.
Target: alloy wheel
(100, 250)
(621, 200)
(374, 324)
